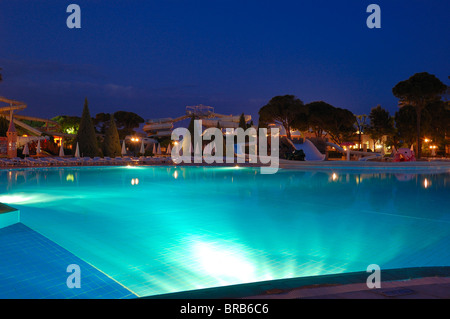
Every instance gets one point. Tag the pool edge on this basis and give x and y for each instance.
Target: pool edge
(281, 286)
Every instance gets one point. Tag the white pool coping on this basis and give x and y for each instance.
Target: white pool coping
(441, 166)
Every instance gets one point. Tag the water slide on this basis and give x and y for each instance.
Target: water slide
(313, 154)
(310, 150)
(6, 111)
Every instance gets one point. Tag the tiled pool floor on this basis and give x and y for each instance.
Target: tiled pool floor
(33, 267)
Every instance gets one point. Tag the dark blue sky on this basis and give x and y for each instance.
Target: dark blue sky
(156, 57)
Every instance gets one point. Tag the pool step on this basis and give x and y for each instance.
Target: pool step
(8, 215)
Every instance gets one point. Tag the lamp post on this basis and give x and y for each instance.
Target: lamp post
(134, 140)
(433, 150)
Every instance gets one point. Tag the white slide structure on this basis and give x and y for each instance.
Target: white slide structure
(313, 154)
(310, 150)
(365, 155)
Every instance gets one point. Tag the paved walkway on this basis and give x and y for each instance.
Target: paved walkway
(421, 288)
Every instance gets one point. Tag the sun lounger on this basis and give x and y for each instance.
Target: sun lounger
(108, 160)
(6, 162)
(98, 161)
(35, 162)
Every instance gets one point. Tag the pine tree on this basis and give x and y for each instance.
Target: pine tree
(4, 125)
(86, 137)
(242, 123)
(111, 143)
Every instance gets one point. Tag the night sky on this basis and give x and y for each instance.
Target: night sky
(155, 57)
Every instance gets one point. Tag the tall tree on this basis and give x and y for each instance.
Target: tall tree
(439, 126)
(282, 110)
(242, 123)
(405, 122)
(126, 122)
(336, 122)
(341, 127)
(4, 125)
(111, 142)
(419, 90)
(381, 123)
(320, 115)
(101, 122)
(361, 125)
(86, 136)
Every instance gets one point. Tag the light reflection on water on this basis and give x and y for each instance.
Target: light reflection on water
(166, 229)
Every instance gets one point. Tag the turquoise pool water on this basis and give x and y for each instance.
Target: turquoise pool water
(166, 229)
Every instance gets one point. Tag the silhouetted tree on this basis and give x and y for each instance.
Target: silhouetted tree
(101, 122)
(111, 142)
(242, 123)
(338, 123)
(126, 122)
(418, 91)
(361, 125)
(4, 125)
(381, 123)
(405, 122)
(282, 110)
(86, 136)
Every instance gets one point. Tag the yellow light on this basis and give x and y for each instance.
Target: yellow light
(70, 178)
(334, 176)
(427, 140)
(426, 183)
(175, 175)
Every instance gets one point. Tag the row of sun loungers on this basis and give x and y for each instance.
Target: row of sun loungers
(82, 161)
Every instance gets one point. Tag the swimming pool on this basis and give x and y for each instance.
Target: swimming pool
(167, 229)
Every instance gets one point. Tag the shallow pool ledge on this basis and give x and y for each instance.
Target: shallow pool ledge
(8, 215)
